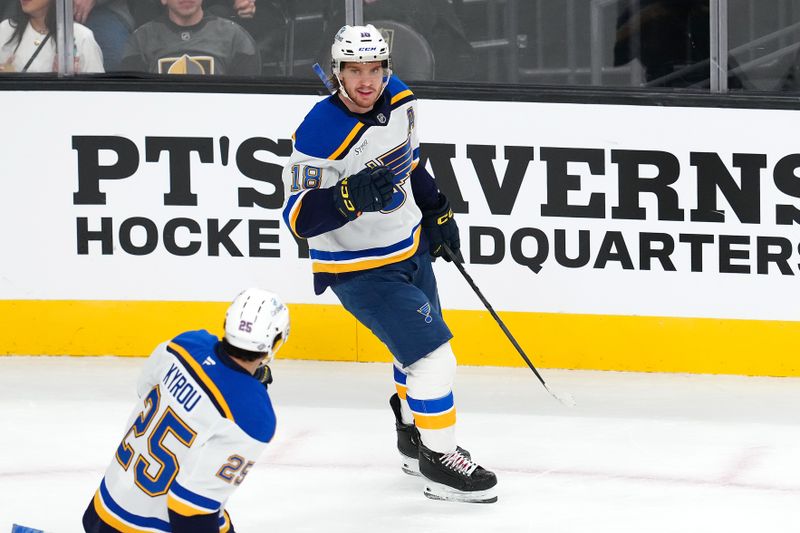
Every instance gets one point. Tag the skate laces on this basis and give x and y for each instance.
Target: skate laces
(459, 462)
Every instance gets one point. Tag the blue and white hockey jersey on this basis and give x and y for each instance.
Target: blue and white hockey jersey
(199, 427)
(333, 143)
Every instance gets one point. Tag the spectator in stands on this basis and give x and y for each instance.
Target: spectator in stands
(671, 40)
(435, 20)
(267, 25)
(243, 10)
(186, 40)
(28, 41)
(110, 21)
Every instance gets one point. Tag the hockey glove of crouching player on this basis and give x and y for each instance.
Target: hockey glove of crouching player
(369, 190)
(440, 227)
(264, 375)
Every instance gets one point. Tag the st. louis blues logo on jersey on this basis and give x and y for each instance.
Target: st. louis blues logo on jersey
(331, 144)
(425, 311)
(399, 160)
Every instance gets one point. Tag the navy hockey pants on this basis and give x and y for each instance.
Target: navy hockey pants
(399, 303)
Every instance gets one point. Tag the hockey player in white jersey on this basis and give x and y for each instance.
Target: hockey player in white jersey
(203, 420)
(373, 218)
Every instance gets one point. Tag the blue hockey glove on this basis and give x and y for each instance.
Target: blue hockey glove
(264, 375)
(440, 227)
(369, 190)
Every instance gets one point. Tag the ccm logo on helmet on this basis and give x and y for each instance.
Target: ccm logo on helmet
(368, 49)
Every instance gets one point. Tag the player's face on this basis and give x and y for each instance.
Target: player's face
(363, 82)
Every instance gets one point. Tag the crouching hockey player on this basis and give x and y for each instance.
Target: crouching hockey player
(203, 420)
(373, 218)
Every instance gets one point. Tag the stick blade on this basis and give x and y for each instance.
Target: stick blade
(564, 397)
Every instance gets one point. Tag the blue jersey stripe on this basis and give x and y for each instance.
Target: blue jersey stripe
(189, 496)
(397, 89)
(137, 520)
(324, 130)
(399, 377)
(343, 150)
(438, 405)
(403, 101)
(234, 392)
(189, 370)
(290, 213)
(346, 255)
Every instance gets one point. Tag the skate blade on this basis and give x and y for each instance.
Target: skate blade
(410, 466)
(437, 491)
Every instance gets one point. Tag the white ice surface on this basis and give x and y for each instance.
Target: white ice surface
(640, 452)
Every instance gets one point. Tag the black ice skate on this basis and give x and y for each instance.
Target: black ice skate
(455, 477)
(407, 440)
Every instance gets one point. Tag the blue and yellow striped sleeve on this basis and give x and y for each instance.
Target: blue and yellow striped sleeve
(187, 503)
(312, 212)
(292, 210)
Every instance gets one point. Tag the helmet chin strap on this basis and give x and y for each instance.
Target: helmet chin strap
(343, 91)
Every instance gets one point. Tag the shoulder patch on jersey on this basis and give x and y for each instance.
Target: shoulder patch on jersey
(327, 132)
(237, 396)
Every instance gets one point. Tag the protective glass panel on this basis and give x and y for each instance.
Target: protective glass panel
(438, 40)
(656, 43)
(30, 39)
(764, 43)
(242, 38)
(623, 43)
(627, 43)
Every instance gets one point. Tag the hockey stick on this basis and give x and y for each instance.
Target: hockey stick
(325, 81)
(566, 399)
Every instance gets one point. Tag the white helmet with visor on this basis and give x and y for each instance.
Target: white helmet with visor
(257, 321)
(359, 44)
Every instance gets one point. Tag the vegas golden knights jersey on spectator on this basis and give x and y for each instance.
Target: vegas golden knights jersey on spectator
(212, 46)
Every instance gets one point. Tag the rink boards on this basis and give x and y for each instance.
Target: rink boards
(608, 237)
(327, 332)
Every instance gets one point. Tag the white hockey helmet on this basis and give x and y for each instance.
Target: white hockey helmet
(360, 44)
(257, 321)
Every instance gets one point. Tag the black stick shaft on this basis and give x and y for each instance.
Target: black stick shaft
(491, 310)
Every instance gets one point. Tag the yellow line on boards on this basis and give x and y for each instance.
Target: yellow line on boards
(329, 333)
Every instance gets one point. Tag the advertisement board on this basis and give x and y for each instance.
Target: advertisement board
(608, 236)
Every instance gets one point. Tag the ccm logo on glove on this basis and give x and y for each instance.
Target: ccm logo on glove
(440, 226)
(369, 190)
